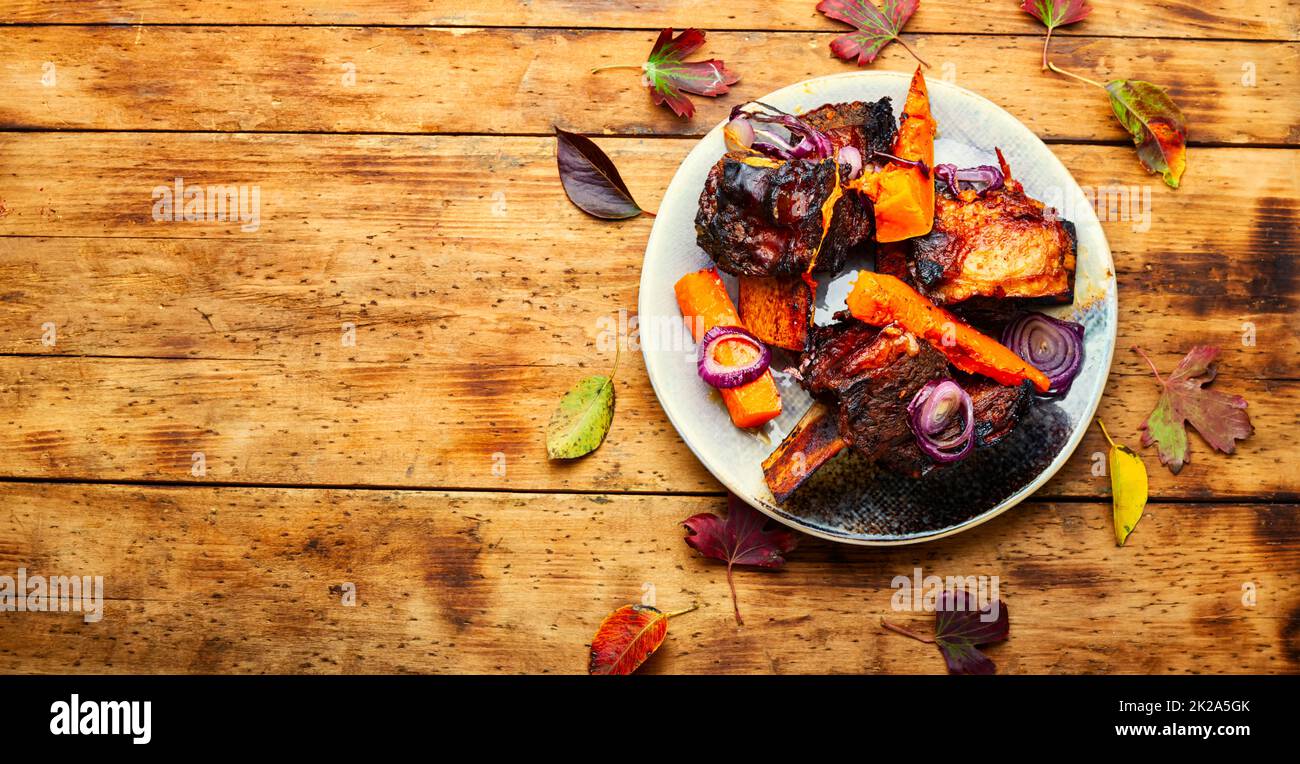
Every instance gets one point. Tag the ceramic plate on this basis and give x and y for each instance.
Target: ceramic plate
(848, 500)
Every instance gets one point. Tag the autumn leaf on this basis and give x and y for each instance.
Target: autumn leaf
(590, 179)
(739, 539)
(876, 28)
(959, 630)
(1220, 418)
(1056, 13)
(1157, 125)
(669, 76)
(627, 637)
(1128, 487)
(579, 424)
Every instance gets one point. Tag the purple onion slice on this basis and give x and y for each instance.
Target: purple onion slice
(1052, 346)
(720, 376)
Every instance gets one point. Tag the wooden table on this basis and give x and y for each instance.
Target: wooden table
(404, 158)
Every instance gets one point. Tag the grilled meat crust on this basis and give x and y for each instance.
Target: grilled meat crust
(869, 376)
(761, 218)
(1003, 244)
(865, 125)
(873, 410)
(998, 409)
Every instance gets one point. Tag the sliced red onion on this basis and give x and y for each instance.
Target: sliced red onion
(811, 143)
(942, 417)
(717, 375)
(917, 163)
(1052, 346)
(853, 158)
(990, 177)
(739, 134)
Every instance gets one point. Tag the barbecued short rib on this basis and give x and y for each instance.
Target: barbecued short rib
(865, 125)
(1003, 244)
(864, 378)
(760, 217)
(998, 409)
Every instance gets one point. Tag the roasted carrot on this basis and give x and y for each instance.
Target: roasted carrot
(904, 195)
(776, 310)
(705, 304)
(879, 299)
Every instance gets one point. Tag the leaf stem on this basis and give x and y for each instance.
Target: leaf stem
(1140, 352)
(618, 348)
(1078, 77)
(599, 69)
(908, 48)
(683, 611)
(1103, 432)
(906, 632)
(1046, 42)
(735, 603)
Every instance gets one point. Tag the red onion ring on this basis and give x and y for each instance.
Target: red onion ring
(717, 375)
(931, 414)
(1052, 346)
(853, 158)
(991, 177)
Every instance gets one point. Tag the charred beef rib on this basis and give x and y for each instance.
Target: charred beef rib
(864, 379)
(999, 244)
(762, 217)
(866, 126)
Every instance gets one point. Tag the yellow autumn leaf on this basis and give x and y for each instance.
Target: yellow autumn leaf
(1128, 487)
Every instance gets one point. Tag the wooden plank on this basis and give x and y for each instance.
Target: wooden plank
(527, 80)
(251, 580)
(416, 240)
(1252, 19)
(441, 293)
(466, 424)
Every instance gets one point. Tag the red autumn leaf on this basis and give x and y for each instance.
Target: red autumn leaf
(669, 77)
(1056, 13)
(627, 637)
(1157, 125)
(739, 539)
(1220, 418)
(876, 28)
(960, 627)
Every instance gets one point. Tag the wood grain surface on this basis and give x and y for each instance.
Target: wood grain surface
(218, 580)
(528, 80)
(420, 206)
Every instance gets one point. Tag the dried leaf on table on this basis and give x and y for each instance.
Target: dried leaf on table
(742, 538)
(1220, 418)
(579, 424)
(1157, 125)
(590, 179)
(960, 629)
(1128, 487)
(627, 637)
(876, 28)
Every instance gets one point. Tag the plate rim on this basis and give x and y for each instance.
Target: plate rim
(1110, 297)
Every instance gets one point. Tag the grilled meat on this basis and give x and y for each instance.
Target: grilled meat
(761, 217)
(998, 409)
(873, 410)
(809, 445)
(865, 378)
(1001, 244)
(866, 126)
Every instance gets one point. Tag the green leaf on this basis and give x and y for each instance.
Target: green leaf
(579, 424)
(1157, 125)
